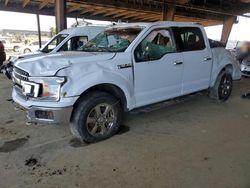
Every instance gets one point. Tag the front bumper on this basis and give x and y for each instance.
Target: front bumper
(45, 112)
(43, 115)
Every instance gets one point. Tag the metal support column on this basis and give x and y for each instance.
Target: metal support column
(227, 28)
(39, 30)
(168, 12)
(61, 18)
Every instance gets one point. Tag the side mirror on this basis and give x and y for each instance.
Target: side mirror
(142, 54)
(145, 54)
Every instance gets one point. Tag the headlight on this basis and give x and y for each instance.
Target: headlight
(246, 62)
(49, 89)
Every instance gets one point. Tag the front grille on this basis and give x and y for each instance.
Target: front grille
(21, 77)
(21, 80)
(21, 72)
(18, 76)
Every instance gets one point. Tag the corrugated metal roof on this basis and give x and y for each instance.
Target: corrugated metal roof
(208, 12)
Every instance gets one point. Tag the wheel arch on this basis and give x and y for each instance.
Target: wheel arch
(109, 88)
(26, 49)
(228, 68)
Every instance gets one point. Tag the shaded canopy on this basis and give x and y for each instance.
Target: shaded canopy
(206, 12)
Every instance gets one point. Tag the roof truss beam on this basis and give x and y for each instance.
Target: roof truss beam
(25, 3)
(44, 4)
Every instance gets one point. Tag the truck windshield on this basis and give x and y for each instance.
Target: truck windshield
(112, 40)
(53, 43)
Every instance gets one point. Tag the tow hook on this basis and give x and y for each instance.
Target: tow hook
(16, 106)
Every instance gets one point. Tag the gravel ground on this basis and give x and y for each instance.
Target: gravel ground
(191, 143)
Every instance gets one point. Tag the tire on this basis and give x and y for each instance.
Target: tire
(92, 121)
(222, 88)
(27, 50)
(16, 48)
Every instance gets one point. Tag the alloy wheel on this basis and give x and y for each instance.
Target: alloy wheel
(101, 119)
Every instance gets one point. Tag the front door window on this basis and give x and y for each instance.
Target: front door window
(157, 44)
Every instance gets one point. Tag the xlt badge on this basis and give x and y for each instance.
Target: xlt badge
(123, 66)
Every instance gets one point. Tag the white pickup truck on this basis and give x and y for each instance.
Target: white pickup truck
(67, 40)
(125, 67)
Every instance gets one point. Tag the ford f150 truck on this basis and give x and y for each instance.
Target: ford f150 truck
(125, 67)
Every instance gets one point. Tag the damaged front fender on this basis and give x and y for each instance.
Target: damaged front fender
(81, 79)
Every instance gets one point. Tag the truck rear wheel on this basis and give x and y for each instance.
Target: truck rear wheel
(222, 88)
(96, 117)
(27, 50)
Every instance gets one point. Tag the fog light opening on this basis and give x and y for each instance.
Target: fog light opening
(44, 114)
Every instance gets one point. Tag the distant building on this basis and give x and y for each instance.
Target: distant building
(10, 32)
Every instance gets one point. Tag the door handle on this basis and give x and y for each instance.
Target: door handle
(178, 63)
(207, 58)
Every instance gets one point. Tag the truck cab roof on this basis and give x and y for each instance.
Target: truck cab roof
(160, 23)
(81, 30)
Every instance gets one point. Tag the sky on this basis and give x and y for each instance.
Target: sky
(240, 31)
(11, 20)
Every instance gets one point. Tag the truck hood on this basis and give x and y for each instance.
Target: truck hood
(24, 56)
(49, 65)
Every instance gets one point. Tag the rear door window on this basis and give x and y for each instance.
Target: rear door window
(189, 38)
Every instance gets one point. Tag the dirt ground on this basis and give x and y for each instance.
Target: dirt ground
(194, 143)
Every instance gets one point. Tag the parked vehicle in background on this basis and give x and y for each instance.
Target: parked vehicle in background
(67, 40)
(11, 46)
(242, 54)
(245, 66)
(32, 47)
(2, 53)
(123, 68)
(241, 50)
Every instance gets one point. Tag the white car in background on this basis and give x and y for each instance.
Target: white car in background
(67, 40)
(9, 46)
(32, 47)
(245, 67)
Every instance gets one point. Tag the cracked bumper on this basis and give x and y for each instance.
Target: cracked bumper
(45, 112)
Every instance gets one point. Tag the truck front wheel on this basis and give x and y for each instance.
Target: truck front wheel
(222, 88)
(97, 116)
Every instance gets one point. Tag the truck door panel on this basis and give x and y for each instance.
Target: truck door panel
(157, 69)
(197, 60)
